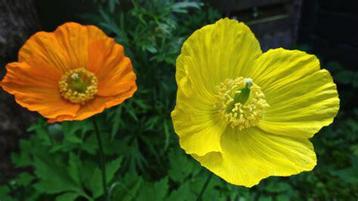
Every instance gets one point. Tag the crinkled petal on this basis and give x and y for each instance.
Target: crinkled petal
(36, 88)
(302, 97)
(113, 70)
(216, 52)
(279, 67)
(224, 50)
(251, 155)
(65, 48)
(197, 125)
(45, 58)
(97, 105)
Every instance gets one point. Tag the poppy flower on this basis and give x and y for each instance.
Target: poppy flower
(70, 74)
(246, 115)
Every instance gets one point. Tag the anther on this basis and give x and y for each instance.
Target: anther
(240, 102)
(78, 85)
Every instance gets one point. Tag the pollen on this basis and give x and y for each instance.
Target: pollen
(78, 85)
(240, 102)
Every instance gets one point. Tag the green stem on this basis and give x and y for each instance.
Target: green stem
(102, 161)
(204, 187)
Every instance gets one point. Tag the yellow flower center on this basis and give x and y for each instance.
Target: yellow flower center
(78, 85)
(240, 102)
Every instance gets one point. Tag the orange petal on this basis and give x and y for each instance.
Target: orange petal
(65, 48)
(114, 71)
(44, 48)
(45, 57)
(101, 103)
(95, 106)
(36, 89)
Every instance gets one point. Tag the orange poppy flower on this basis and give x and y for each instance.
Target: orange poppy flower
(70, 74)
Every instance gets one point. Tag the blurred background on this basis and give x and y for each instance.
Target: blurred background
(152, 32)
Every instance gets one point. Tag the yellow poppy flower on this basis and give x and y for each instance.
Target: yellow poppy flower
(247, 115)
(70, 74)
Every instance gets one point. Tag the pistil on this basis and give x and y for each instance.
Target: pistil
(241, 102)
(78, 85)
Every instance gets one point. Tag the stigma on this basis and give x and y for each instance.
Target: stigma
(78, 85)
(240, 102)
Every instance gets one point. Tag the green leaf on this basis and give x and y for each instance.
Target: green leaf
(4, 194)
(283, 198)
(76, 127)
(41, 133)
(131, 112)
(112, 167)
(74, 168)
(23, 158)
(53, 177)
(67, 197)
(182, 7)
(127, 188)
(24, 179)
(183, 193)
(181, 166)
(112, 5)
(95, 183)
(72, 138)
(354, 149)
(349, 175)
(167, 134)
(151, 49)
(90, 145)
(277, 187)
(116, 120)
(156, 191)
(265, 198)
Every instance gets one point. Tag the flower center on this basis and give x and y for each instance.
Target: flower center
(78, 85)
(240, 102)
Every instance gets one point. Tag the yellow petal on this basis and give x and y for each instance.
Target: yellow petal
(212, 54)
(302, 97)
(198, 127)
(279, 67)
(251, 155)
(224, 50)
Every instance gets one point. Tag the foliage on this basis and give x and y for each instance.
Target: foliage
(144, 161)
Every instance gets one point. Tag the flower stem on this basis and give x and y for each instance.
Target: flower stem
(204, 187)
(102, 162)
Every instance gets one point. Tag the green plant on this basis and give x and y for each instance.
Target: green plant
(144, 161)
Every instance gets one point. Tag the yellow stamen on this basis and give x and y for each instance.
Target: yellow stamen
(78, 85)
(240, 102)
